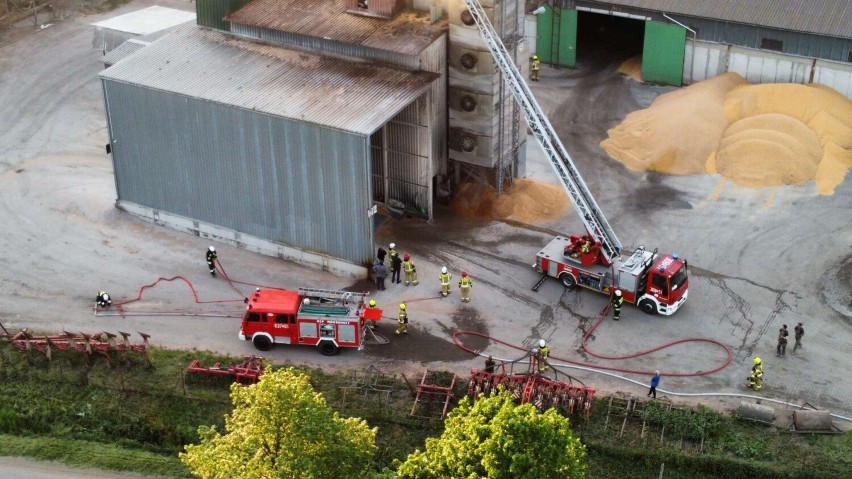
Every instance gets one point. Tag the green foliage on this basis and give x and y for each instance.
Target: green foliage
(281, 427)
(93, 454)
(702, 422)
(495, 438)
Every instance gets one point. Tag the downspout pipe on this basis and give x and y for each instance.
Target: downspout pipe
(694, 34)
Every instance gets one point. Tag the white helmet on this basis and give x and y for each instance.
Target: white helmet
(106, 297)
(618, 293)
(393, 245)
(212, 249)
(444, 270)
(306, 301)
(541, 343)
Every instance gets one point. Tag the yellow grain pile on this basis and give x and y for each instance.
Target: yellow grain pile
(528, 201)
(754, 135)
(632, 67)
(677, 133)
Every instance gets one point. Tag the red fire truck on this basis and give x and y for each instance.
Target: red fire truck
(657, 283)
(327, 319)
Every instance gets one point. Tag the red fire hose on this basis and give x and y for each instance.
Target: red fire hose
(602, 317)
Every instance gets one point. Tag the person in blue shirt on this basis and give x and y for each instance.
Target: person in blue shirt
(655, 381)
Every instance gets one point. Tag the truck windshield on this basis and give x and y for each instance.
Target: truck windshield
(678, 279)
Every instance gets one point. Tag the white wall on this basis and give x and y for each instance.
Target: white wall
(708, 59)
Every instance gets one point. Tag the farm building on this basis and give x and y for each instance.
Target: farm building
(282, 126)
(684, 41)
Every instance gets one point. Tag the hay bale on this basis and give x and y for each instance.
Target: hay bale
(812, 421)
(756, 412)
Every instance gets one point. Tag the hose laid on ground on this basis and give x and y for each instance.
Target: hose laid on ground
(175, 278)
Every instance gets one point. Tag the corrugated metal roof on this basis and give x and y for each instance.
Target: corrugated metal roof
(408, 33)
(147, 20)
(823, 17)
(131, 46)
(351, 96)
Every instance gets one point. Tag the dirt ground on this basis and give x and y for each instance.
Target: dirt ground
(758, 258)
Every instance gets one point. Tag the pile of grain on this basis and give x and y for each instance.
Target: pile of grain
(632, 67)
(754, 135)
(527, 202)
(677, 133)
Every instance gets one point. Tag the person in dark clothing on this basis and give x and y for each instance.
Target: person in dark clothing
(102, 300)
(781, 350)
(489, 365)
(380, 272)
(798, 331)
(396, 265)
(617, 301)
(655, 381)
(211, 260)
(381, 255)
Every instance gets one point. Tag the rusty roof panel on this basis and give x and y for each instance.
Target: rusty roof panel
(408, 33)
(823, 17)
(350, 96)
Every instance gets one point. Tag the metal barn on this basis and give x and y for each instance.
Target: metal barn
(256, 145)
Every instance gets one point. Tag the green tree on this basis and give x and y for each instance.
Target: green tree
(282, 428)
(495, 438)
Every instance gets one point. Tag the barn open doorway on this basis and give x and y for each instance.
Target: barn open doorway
(608, 38)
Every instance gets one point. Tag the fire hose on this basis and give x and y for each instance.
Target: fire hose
(604, 370)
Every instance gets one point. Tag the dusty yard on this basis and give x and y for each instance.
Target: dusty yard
(759, 257)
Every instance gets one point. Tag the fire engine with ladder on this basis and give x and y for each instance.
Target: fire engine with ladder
(656, 283)
(327, 319)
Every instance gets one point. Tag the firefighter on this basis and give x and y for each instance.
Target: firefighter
(755, 380)
(587, 245)
(543, 353)
(536, 66)
(372, 305)
(395, 263)
(445, 281)
(403, 320)
(211, 260)
(617, 301)
(102, 300)
(465, 283)
(410, 270)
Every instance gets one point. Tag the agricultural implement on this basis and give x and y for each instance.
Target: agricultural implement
(102, 343)
(246, 372)
(541, 392)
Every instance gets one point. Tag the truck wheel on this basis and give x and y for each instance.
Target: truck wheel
(647, 306)
(568, 280)
(327, 348)
(261, 342)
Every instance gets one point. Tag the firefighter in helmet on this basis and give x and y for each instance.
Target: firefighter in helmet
(402, 319)
(617, 301)
(410, 270)
(372, 305)
(102, 300)
(755, 380)
(211, 260)
(465, 283)
(445, 277)
(536, 66)
(542, 355)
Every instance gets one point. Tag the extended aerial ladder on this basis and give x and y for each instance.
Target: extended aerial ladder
(592, 216)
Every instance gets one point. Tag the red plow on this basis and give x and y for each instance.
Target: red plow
(247, 372)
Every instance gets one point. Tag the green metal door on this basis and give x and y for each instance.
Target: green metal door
(663, 53)
(556, 32)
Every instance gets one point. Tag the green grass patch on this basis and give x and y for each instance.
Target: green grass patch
(124, 414)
